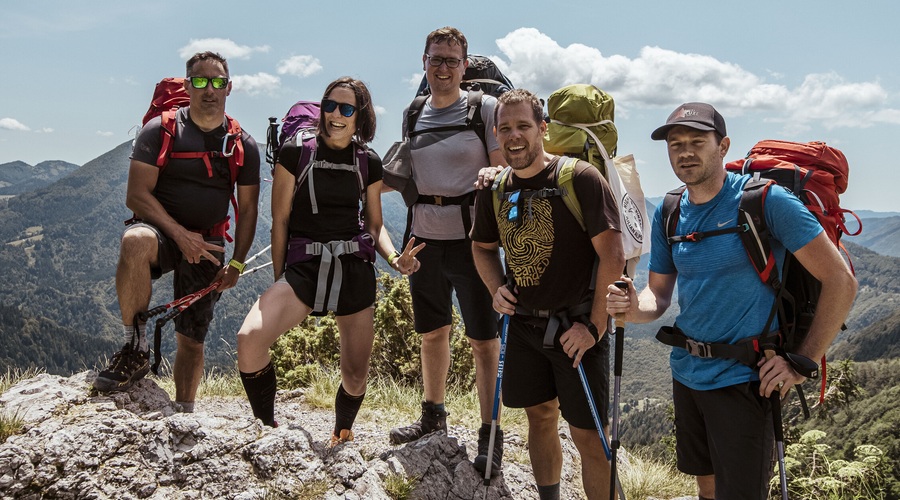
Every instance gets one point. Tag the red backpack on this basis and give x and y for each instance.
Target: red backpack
(815, 173)
(168, 96)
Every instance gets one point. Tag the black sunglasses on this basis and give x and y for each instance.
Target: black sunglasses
(329, 106)
(200, 82)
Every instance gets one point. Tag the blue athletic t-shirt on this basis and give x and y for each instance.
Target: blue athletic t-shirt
(721, 297)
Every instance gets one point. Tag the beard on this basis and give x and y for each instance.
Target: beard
(526, 158)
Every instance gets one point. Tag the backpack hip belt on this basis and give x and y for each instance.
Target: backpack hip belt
(747, 351)
(304, 249)
(464, 201)
(558, 317)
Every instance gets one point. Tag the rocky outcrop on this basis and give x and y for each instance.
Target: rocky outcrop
(135, 445)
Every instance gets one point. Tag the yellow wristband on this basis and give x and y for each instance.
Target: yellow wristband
(393, 257)
(237, 265)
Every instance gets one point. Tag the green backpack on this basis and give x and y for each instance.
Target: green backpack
(581, 125)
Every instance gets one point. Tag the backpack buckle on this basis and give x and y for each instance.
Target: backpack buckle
(438, 200)
(699, 349)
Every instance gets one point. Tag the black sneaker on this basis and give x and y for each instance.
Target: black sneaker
(431, 420)
(484, 439)
(126, 367)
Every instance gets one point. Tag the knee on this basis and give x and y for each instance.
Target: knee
(545, 415)
(437, 338)
(190, 347)
(137, 245)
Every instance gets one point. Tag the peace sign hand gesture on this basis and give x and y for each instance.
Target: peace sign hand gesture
(407, 263)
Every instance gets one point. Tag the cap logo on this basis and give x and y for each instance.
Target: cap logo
(687, 112)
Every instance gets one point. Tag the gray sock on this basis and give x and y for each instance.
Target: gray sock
(550, 492)
(128, 331)
(186, 407)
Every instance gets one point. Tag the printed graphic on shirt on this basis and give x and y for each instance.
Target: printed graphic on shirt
(529, 243)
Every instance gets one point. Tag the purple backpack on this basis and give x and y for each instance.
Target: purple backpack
(302, 120)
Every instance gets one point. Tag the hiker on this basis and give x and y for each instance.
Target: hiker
(324, 252)
(181, 213)
(724, 427)
(556, 321)
(444, 164)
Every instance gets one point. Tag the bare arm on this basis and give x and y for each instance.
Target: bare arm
(405, 264)
(822, 259)
(244, 232)
(652, 302)
(490, 269)
(282, 199)
(139, 198)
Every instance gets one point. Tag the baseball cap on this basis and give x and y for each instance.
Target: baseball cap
(698, 115)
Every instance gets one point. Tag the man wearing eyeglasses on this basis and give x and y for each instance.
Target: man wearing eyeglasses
(556, 320)
(446, 155)
(181, 211)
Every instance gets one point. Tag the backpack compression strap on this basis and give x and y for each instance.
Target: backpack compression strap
(308, 145)
(474, 120)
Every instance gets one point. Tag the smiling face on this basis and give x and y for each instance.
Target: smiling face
(696, 156)
(339, 128)
(443, 79)
(519, 135)
(208, 101)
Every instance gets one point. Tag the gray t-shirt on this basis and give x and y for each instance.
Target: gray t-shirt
(447, 164)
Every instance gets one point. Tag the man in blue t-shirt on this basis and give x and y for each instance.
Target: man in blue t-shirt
(723, 419)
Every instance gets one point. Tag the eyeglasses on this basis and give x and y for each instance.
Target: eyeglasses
(200, 82)
(329, 106)
(436, 61)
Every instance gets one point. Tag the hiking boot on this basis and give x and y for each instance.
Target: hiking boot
(430, 421)
(484, 439)
(126, 367)
(345, 437)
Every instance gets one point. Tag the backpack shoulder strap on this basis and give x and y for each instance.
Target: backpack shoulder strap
(498, 188)
(757, 237)
(167, 131)
(671, 208)
(234, 147)
(362, 171)
(308, 144)
(565, 172)
(412, 114)
(474, 120)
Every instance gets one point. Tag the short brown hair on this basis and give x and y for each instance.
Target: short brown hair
(515, 96)
(365, 118)
(450, 36)
(203, 56)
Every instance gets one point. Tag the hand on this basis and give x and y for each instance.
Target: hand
(576, 341)
(776, 374)
(407, 263)
(505, 301)
(621, 302)
(194, 248)
(229, 277)
(486, 176)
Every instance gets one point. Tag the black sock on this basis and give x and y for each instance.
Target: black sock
(260, 388)
(345, 409)
(548, 492)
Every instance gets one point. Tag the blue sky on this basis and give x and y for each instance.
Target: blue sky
(78, 76)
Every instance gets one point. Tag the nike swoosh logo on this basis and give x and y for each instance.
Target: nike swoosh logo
(720, 224)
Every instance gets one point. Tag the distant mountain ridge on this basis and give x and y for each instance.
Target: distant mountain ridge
(18, 177)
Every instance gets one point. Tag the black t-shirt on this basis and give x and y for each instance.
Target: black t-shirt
(337, 193)
(547, 252)
(185, 188)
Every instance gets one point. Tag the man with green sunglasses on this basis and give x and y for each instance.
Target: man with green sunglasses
(184, 168)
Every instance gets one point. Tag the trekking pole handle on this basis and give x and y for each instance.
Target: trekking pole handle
(621, 285)
(770, 353)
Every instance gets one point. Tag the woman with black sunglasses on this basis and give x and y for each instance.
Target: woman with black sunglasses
(325, 231)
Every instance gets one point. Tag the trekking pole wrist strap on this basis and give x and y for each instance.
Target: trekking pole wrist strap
(237, 265)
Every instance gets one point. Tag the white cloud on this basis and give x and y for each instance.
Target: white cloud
(45, 130)
(659, 77)
(416, 79)
(102, 133)
(380, 110)
(13, 124)
(256, 84)
(225, 47)
(300, 66)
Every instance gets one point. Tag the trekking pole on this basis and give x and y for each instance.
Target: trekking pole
(495, 411)
(564, 321)
(257, 254)
(779, 432)
(254, 269)
(617, 371)
(169, 311)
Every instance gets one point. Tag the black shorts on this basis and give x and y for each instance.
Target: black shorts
(533, 375)
(194, 321)
(727, 432)
(447, 265)
(357, 290)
